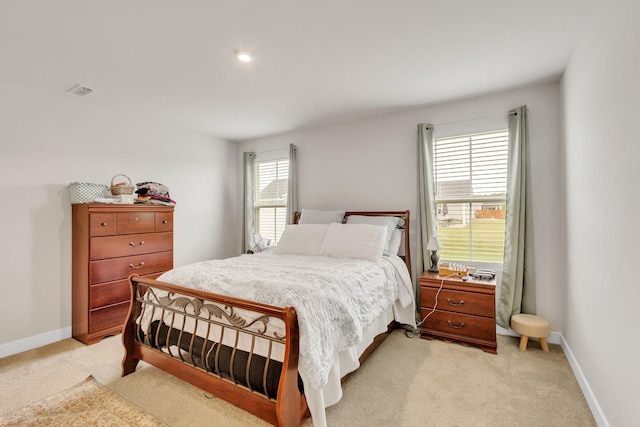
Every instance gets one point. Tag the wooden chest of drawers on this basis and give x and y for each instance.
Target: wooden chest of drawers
(464, 313)
(109, 243)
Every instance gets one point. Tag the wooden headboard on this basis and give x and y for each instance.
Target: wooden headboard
(403, 225)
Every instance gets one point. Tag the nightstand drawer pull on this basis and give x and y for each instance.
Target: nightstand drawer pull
(165, 222)
(103, 224)
(135, 246)
(455, 325)
(135, 268)
(456, 304)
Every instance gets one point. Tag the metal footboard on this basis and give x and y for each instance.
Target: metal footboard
(242, 351)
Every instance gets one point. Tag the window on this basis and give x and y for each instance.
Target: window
(270, 199)
(470, 177)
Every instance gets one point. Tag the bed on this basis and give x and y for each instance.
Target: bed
(276, 332)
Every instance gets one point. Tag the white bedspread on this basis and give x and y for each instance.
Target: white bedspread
(342, 304)
(335, 299)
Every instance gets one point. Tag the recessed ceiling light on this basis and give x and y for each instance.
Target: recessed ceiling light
(243, 56)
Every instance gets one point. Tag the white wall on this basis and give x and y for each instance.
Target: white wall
(46, 142)
(601, 93)
(371, 165)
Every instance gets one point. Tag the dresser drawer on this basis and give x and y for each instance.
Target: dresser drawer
(113, 269)
(458, 301)
(164, 221)
(109, 293)
(108, 317)
(131, 244)
(102, 224)
(112, 292)
(459, 324)
(135, 222)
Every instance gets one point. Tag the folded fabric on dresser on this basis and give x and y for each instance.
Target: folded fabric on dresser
(153, 192)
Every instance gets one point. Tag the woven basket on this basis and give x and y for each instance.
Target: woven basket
(122, 189)
(86, 192)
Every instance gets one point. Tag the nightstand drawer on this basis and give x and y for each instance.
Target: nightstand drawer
(459, 324)
(458, 301)
(131, 244)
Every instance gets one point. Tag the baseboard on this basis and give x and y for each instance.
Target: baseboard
(553, 338)
(596, 410)
(36, 341)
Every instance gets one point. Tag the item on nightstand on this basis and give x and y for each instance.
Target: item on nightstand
(434, 246)
(483, 274)
(453, 270)
(260, 243)
(122, 187)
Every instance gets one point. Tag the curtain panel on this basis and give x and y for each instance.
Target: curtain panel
(248, 240)
(517, 288)
(426, 198)
(292, 185)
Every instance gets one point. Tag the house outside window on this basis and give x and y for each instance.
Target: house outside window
(270, 200)
(470, 177)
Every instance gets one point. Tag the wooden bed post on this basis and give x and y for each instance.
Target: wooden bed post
(288, 406)
(129, 362)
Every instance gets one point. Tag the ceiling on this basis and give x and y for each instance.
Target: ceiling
(316, 62)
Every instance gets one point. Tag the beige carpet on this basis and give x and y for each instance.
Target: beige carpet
(86, 404)
(406, 382)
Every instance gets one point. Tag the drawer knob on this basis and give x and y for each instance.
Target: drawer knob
(136, 219)
(455, 325)
(134, 245)
(103, 224)
(456, 304)
(134, 267)
(165, 222)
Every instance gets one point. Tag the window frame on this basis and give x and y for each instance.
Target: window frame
(471, 200)
(258, 205)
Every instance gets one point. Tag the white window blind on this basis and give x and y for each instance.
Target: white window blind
(470, 174)
(270, 198)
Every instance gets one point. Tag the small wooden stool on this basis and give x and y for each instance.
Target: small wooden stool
(530, 325)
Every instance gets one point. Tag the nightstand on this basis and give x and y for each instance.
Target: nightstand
(465, 311)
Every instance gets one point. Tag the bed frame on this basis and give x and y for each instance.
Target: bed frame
(265, 387)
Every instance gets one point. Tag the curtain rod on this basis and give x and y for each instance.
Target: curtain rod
(271, 151)
(476, 118)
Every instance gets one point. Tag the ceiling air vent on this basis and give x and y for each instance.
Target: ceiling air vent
(80, 90)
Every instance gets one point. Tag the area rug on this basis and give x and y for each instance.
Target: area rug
(86, 404)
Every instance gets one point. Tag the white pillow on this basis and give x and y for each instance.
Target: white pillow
(391, 222)
(314, 216)
(396, 241)
(359, 241)
(301, 239)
